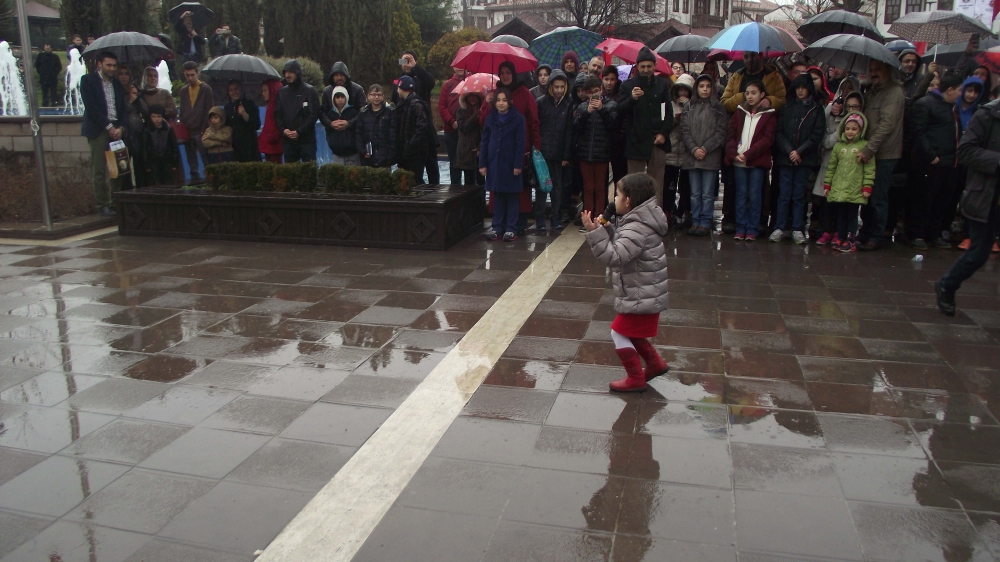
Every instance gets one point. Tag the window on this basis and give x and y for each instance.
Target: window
(725, 9)
(632, 6)
(891, 10)
(946, 5)
(677, 6)
(718, 7)
(650, 6)
(687, 6)
(701, 7)
(914, 6)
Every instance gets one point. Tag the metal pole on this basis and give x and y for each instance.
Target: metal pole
(36, 130)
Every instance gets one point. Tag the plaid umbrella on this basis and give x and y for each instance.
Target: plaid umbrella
(479, 82)
(838, 21)
(851, 52)
(938, 26)
(486, 57)
(550, 47)
(684, 49)
(949, 55)
(628, 51)
(752, 37)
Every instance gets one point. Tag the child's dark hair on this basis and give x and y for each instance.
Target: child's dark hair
(501, 90)
(758, 84)
(639, 188)
(950, 80)
(609, 70)
(375, 89)
(592, 82)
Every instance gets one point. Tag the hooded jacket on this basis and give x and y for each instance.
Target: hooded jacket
(751, 133)
(298, 107)
(912, 81)
(936, 130)
(594, 130)
(341, 143)
(635, 253)
(469, 133)
(245, 146)
(979, 150)
(539, 90)
(801, 126)
(379, 128)
(355, 93)
(848, 178)
(677, 152)
(645, 116)
(501, 151)
(218, 140)
(269, 141)
(966, 113)
(570, 55)
(160, 145)
(732, 98)
(555, 120)
(416, 129)
(704, 125)
(831, 136)
(825, 94)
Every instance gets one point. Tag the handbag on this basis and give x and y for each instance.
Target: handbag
(541, 171)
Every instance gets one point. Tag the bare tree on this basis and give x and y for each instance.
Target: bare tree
(604, 16)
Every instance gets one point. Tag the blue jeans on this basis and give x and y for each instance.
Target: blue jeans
(875, 214)
(703, 184)
(981, 238)
(505, 211)
(749, 182)
(794, 180)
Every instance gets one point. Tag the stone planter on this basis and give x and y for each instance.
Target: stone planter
(437, 218)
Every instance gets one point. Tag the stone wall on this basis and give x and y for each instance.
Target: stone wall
(64, 146)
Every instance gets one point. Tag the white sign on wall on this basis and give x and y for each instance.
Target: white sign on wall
(981, 10)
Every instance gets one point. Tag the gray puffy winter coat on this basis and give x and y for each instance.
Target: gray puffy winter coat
(704, 125)
(637, 257)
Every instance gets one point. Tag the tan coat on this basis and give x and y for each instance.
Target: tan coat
(162, 97)
(884, 111)
(637, 258)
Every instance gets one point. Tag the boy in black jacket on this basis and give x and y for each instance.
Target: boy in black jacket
(375, 131)
(415, 128)
(555, 117)
(161, 148)
(338, 118)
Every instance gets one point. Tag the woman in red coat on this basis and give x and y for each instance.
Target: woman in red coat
(748, 150)
(269, 141)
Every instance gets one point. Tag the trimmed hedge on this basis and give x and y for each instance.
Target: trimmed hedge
(262, 176)
(362, 179)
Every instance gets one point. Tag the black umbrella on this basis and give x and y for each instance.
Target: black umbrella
(684, 49)
(949, 55)
(244, 68)
(200, 15)
(838, 21)
(128, 46)
(900, 45)
(512, 40)
(850, 52)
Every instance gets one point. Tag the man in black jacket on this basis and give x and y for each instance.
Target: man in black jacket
(936, 132)
(422, 80)
(295, 115)
(242, 115)
(105, 117)
(415, 128)
(223, 42)
(647, 129)
(341, 76)
(979, 150)
(375, 131)
(555, 119)
(48, 65)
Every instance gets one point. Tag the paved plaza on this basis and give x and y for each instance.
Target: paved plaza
(186, 400)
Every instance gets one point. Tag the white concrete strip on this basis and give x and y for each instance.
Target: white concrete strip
(60, 241)
(334, 525)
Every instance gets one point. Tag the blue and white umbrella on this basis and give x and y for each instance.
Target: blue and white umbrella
(753, 37)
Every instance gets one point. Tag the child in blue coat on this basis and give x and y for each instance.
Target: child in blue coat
(501, 155)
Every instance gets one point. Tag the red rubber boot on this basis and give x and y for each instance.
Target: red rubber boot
(655, 365)
(635, 381)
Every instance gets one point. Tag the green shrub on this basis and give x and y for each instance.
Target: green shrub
(262, 176)
(362, 179)
(298, 176)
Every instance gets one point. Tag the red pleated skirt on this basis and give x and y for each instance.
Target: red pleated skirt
(636, 325)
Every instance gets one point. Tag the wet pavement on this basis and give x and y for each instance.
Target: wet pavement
(184, 400)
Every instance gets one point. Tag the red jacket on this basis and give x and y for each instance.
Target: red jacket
(448, 103)
(758, 155)
(269, 141)
(526, 106)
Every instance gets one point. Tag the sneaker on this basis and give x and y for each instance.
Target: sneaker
(836, 239)
(847, 247)
(919, 244)
(728, 228)
(739, 236)
(825, 239)
(492, 235)
(964, 245)
(945, 300)
(704, 231)
(940, 243)
(777, 235)
(557, 226)
(751, 237)
(538, 227)
(509, 237)
(108, 211)
(798, 237)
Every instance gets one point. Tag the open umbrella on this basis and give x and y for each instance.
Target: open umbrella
(990, 59)
(753, 37)
(479, 82)
(486, 57)
(628, 51)
(900, 45)
(244, 68)
(938, 26)
(949, 55)
(850, 52)
(550, 47)
(128, 46)
(512, 40)
(200, 15)
(838, 21)
(684, 49)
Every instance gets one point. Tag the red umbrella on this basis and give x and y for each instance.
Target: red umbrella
(486, 57)
(990, 59)
(628, 51)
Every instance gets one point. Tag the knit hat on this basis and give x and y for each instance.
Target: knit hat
(339, 91)
(570, 55)
(856, 118)
(157, 109)
(683, 81)
(645, 54)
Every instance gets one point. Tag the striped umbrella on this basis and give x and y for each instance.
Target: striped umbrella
(753, 37)
(938, 26)
(550, 47)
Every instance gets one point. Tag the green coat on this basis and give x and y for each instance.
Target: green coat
(845, 176)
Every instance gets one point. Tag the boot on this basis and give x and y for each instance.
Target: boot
(655, 365)
(635, 381)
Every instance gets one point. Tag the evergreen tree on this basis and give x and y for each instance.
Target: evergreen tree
(433, 18)
(443, 52)
(128, 15)
(243, 17)
(80, 16)
(405, 36)
(272, 28)
(8, 22)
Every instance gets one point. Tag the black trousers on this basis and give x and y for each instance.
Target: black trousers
(49, 95)
(981, 238)
(846, 215)
(415, 165)
(932, 202)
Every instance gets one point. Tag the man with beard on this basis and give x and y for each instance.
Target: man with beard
(243, 117)
(296, 114)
